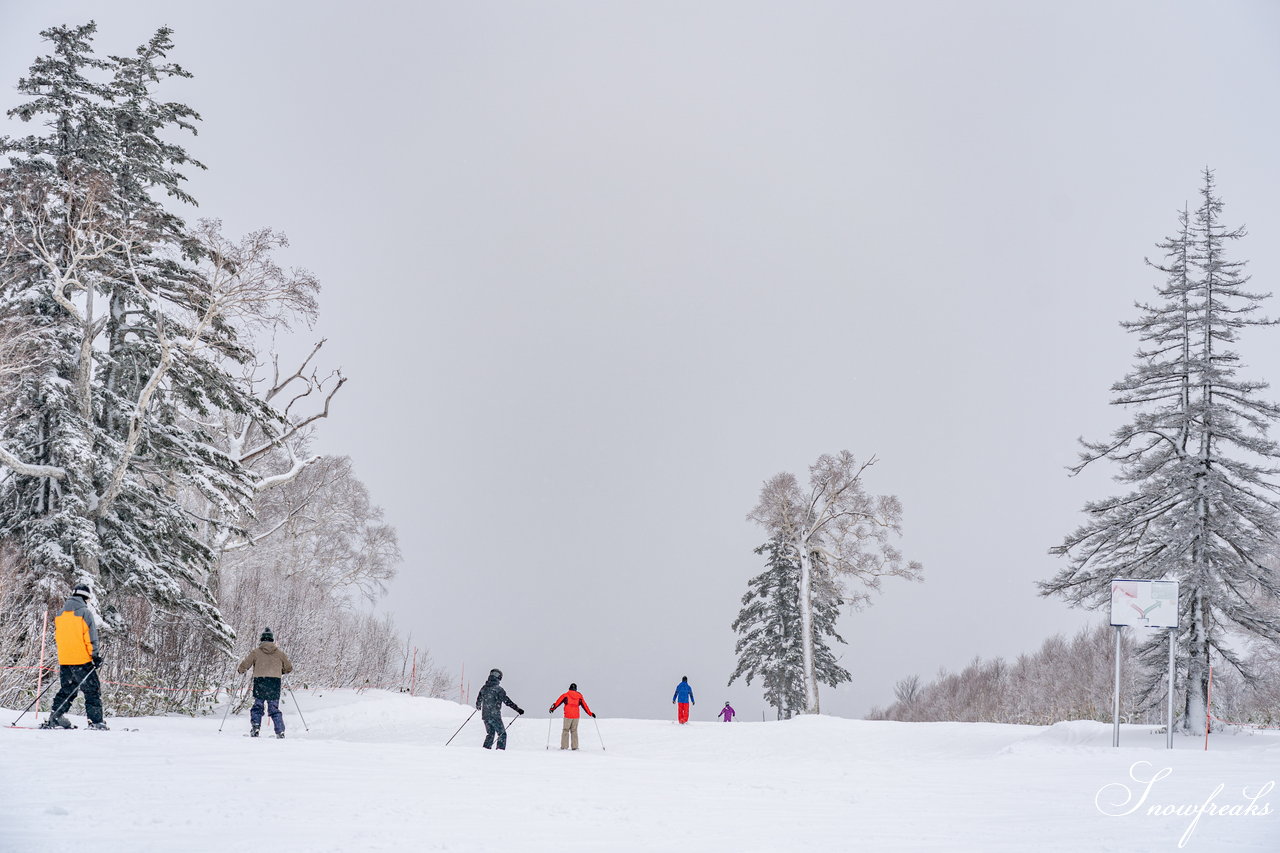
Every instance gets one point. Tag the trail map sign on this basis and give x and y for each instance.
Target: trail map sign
(1144, 604)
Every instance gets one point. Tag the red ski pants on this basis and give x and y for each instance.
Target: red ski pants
(682, 712)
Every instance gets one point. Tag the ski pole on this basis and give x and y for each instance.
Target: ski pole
(461, 727)
(295, 704)
(597, 722)
(549, 721)
(505, 729)
(231, 700)
(33, 703)
(53, 712)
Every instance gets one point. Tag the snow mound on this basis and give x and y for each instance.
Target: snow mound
(1090, 736)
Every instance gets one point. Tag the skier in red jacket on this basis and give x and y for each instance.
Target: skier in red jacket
(572, 700)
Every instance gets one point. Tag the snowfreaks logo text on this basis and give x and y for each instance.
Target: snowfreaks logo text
(1119, 799)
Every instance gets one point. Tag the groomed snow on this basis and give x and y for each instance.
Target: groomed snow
(373, 774)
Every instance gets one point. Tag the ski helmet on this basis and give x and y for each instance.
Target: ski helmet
(495, 674)
(81, 590)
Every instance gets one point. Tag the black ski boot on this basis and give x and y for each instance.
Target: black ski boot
(57, 721)
(280, 734)
(99, 727)
(253, 731)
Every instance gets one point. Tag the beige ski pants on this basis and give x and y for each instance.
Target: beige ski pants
(570, 728)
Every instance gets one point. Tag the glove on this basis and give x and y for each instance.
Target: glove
(97, 660)
(519, 710)
(593, 716)
(551, 709)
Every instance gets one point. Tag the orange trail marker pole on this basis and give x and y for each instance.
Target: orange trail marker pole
(44, 632)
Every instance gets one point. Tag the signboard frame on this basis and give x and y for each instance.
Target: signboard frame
(1144, 603)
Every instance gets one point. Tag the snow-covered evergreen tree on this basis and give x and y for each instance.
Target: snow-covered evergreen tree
(144, 445)
(839, 533)
(101, 443)
(768, 628)
(768, 625)
(1203, 506)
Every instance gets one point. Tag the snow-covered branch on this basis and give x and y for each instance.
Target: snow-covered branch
(11, 461)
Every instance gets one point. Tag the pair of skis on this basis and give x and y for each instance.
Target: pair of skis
(60, 728)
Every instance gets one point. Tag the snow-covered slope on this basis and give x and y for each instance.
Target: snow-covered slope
(373, 774)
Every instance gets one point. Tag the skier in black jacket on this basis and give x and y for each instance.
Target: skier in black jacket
(489, 702)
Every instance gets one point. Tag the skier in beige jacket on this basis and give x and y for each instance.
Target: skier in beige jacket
(269, 663)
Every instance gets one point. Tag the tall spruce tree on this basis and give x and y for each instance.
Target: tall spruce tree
(1203, 505)
(104, 442)
(768, 625)
(768, 628)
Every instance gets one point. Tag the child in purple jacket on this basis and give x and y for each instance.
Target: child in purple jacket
(727, 712)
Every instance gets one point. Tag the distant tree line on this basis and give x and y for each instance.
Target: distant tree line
(1074, 679)
(1066, 679)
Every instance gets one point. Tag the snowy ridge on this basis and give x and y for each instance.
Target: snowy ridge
(373, 774)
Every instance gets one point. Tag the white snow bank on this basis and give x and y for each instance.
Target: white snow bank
(373, 774)
(1083, 736)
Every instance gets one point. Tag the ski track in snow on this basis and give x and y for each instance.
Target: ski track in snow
(372, 774)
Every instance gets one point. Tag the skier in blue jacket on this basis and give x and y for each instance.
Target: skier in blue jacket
(682, 699)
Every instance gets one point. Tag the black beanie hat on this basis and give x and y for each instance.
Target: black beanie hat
(267, 636)
(81, 590)
(573, 687)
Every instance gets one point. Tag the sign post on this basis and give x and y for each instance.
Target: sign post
(1173, 638)
(1115, 695)
(1143, 604)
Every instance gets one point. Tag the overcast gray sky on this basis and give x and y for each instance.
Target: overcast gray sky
(597, 270)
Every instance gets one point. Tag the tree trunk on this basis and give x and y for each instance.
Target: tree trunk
(806, 630)
(1197, 701)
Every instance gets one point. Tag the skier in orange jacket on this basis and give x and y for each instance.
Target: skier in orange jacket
(572, 700)
(76, 633)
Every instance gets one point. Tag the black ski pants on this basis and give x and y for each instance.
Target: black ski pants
(85, 675)
(493, 727)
